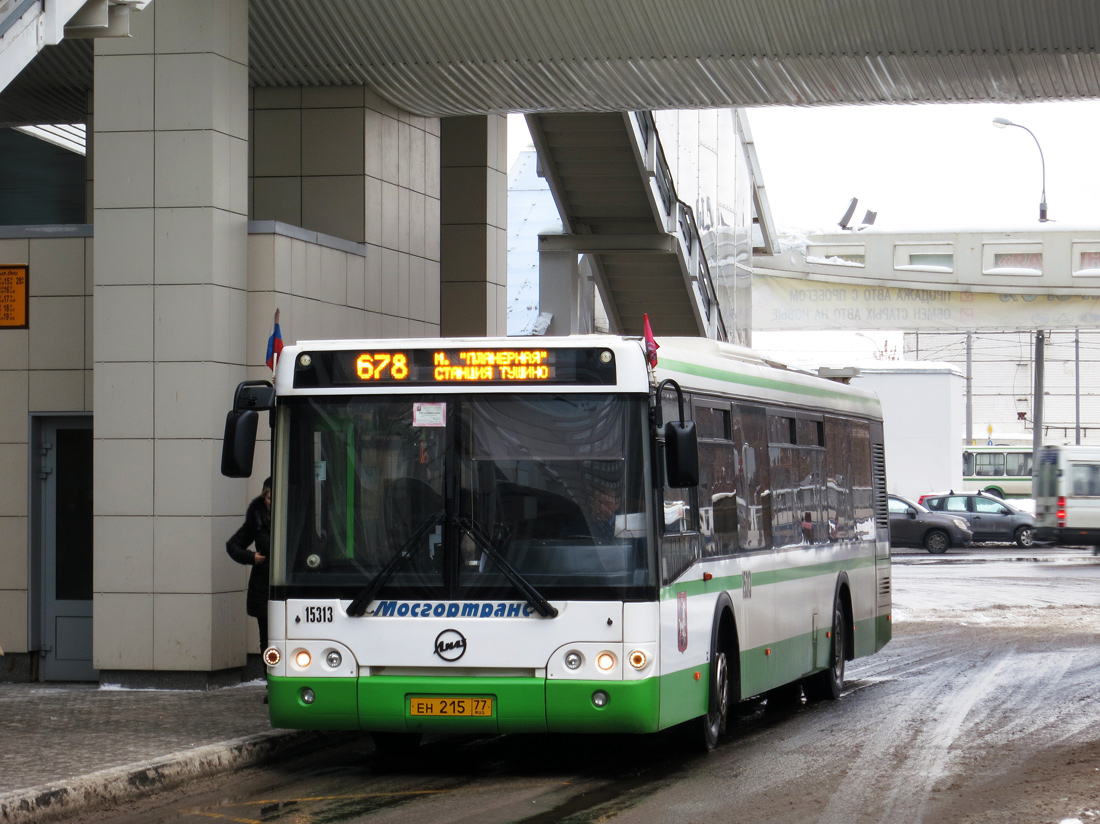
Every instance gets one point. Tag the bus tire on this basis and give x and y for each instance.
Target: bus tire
(996, 493)
(724, 678)
(718, 703)
(396, 743)
(1025, 537)
(827, 684)
(937, 542)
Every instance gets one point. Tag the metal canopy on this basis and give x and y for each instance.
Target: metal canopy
(448, 57)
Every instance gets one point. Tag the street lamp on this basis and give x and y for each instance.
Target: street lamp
(1040, 337)
(1002, 122)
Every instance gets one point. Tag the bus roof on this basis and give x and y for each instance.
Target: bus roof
(695, 363)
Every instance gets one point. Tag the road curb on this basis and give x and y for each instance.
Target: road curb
(120, 785)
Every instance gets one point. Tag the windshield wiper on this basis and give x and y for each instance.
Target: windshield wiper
(411, 547)
(532, 595)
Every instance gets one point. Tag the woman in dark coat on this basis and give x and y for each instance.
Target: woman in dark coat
(256, 529)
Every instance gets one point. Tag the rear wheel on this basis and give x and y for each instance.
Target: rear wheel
(937, 542)
(1025, 536)
(827, 684)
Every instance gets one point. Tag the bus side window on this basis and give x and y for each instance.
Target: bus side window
(717, 472)
(991, 464)
(753, 482)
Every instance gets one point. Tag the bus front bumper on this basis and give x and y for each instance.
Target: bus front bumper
(385, 704)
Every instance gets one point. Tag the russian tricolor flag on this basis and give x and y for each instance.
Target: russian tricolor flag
(651, 346)
(274, 344)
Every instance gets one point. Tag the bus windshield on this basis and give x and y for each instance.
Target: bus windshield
(428, 496)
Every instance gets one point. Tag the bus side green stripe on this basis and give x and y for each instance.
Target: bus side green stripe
(766, 577)
(766, 383)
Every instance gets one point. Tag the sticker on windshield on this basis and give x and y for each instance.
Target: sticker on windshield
(429, 414)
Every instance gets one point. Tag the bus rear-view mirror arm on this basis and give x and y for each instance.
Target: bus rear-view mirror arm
(681, 444)
(239, 438)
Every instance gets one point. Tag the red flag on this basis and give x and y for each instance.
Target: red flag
(651, 346)
(274, 344)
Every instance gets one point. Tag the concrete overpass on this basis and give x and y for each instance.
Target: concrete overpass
(932, 281)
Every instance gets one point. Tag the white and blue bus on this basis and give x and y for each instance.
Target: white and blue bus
(503, 535)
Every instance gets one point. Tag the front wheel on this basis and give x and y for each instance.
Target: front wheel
(827, 684)
(1025, 537)
(718, 705)
(937, 542)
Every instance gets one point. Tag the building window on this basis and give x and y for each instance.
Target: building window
(837, 254)
(1024, 259)
(924, 257)
(1086, 260)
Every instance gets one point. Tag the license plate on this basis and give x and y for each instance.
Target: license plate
(452, 707)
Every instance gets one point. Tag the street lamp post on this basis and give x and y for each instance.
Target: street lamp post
(1040, 338)
(1001, 123)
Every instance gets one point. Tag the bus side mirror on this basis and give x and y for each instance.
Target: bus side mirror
(239, 443)
(681, 454)
(239, 438)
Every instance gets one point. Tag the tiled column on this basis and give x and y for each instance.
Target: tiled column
(473, 266)
(171, 128)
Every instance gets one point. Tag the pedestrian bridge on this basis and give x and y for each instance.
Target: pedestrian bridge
(958, 281)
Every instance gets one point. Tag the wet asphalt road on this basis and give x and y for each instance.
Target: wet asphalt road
(983, 708)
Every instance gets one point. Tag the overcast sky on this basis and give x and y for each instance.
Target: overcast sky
(930, 166)
(925, 166)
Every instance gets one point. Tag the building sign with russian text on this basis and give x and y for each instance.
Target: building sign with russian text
(795, 304)
(13, 296)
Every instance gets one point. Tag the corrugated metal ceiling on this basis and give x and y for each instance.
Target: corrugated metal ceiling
(444, 57)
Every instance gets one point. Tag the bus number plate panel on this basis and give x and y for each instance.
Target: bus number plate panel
(445, 706)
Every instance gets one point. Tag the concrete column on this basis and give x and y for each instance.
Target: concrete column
(473, 264)
(565, 293)
(171, 130)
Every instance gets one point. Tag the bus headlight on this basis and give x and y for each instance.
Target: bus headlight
(605, 661)
(333, 659)
(272, 656)
(573, 660)
(637, 659)
(301, 658)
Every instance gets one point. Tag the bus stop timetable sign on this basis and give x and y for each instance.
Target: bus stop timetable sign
(13, 297)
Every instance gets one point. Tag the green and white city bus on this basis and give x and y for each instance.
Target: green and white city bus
(505, 535)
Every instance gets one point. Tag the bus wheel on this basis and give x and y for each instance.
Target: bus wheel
(718, 704)
(396, 743)
(1025, 536)
(827, 684)
(996, 493)
(937, 542)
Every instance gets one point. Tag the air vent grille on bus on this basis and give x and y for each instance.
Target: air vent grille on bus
(878, 469)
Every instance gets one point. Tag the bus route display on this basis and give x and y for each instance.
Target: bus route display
(454, 367)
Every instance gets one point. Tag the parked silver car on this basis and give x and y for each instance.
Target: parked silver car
(990, 518)
(913, 525)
